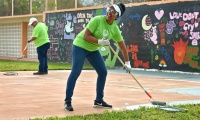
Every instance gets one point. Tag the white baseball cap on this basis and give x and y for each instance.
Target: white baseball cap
(32, 20)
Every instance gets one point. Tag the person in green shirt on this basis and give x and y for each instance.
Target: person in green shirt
(98, 32)
(41, 41)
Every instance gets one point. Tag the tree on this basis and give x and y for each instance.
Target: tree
(51, 5)
(21, 7)
(5, 7)
(38, 6)
(67, 4)
(108, 2)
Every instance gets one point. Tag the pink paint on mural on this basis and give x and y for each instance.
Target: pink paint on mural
(159, 14)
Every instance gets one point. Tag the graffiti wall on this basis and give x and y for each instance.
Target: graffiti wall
(62, 29)
(164, 36)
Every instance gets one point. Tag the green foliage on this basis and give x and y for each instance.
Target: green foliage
(64, 4)
(68, 4)
(51, 5)
(142, 113)
(38, 6)
(21, 7)
(5, 7)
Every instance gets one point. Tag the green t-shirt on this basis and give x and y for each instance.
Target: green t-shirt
(40, 32)
(97, 25)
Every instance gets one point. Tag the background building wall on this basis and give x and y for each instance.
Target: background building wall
(11, 36)
(10, 39)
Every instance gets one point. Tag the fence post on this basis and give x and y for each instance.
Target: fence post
(31, 3)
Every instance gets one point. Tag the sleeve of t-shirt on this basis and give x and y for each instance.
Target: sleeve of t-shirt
(47, 28)
(36, 32)
(118, 37)
(93, 24)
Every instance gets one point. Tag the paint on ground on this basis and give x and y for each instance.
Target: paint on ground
(190, 91)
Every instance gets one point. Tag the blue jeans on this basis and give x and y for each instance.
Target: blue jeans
(42, 57)
(96, 60)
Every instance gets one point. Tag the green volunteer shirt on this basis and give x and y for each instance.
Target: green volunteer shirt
(40, 32)
(97, 25)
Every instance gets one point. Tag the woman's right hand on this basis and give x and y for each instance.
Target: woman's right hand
(104, 42)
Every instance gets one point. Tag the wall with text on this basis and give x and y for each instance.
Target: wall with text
(164, 36)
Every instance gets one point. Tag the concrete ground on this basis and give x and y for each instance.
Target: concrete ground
(26, 96)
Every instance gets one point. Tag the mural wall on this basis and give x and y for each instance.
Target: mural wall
(63, 28)
(164, 36)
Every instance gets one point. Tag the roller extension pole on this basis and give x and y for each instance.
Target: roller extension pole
(151, 99)
(22, 55)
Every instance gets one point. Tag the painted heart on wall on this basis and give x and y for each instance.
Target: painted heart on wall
(159, 14)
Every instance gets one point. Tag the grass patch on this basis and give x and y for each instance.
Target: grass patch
(142, 113)
(9, 65)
